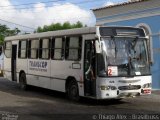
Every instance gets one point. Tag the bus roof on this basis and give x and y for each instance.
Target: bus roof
(76, 31)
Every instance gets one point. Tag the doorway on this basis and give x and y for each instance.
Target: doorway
(89, 68)
(13, 62)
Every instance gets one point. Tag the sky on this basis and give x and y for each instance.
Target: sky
(27, 16)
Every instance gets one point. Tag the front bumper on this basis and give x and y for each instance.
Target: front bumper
(125, 87)
(116, 94)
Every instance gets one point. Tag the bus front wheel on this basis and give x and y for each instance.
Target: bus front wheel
(72, 92)
(22, 81)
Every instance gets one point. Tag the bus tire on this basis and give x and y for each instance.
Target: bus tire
(22, 81)
(73, 92)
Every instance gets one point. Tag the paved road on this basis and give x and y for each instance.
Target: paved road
(41, 104)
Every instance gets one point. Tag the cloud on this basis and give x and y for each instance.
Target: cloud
(109, 3)
(41, 15)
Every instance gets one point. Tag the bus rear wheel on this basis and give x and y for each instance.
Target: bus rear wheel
(73, 92)
(22, 81)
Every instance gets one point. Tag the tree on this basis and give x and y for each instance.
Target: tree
(67, 25)
(78, 25)
(6, 31)
(59, 26)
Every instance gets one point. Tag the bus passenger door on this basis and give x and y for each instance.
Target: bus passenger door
(89, 68)
(13, 62)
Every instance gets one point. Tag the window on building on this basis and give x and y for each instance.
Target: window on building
(22, 51)
(73, 48)
(44, 49)
(58, 48)
(8, 46)
(33, 49)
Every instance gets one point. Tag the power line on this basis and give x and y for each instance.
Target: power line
(64, 19)
(49, 19)
(32, 3)
(51, 6)
(17, 24)
(76, 3)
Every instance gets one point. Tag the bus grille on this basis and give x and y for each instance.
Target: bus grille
(130, 87)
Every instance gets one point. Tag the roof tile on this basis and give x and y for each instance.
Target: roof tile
(120, 4)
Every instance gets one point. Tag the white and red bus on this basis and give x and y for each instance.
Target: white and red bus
(95, 62)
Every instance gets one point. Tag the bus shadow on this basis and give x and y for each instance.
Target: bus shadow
(83, 101)
(32, 91)
(106, 102)
(46, 92)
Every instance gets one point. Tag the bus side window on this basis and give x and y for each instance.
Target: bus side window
(57, 50)
(44, 49)
(8, 46)
(73, 48)
(33, 49)
(22, 51)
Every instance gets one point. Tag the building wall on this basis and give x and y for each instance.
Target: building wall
(148, 17)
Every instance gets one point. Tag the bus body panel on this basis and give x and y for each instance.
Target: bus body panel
(7, 75)
(39, 81)
(58, 84)
(7, 65)
(45, 82)
(61, 70)
(7, 68)
(39, 67)
(22, 66)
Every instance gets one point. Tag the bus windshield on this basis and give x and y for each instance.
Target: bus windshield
(122, 56)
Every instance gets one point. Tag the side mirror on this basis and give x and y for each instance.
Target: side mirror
(151, 63)
(98, 47)
(147, 37)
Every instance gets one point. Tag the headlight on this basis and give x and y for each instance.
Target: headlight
(147, 85)
(113, 88)
(104, 87)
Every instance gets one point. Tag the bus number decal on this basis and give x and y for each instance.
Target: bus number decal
(112, 71)
(109, 72)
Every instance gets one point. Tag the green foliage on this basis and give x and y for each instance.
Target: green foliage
(59, 26)
(5, 31)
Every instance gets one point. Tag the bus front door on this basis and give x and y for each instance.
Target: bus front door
(89, 68)
(13, 62)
